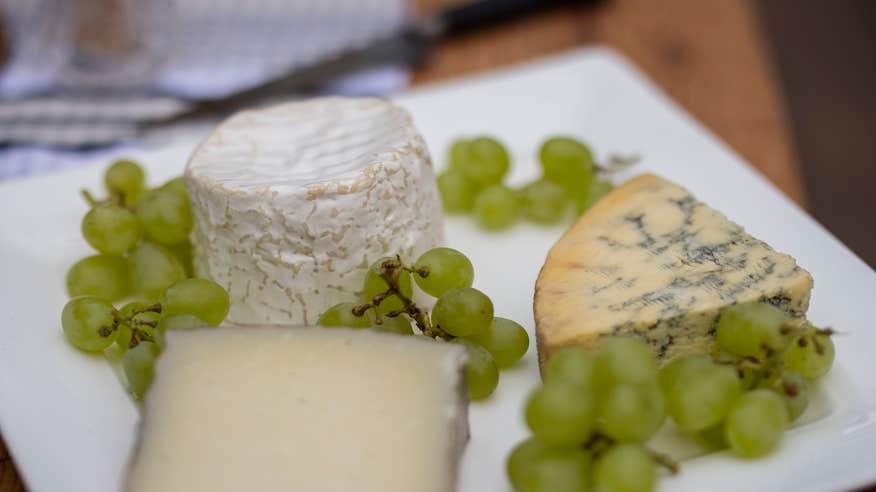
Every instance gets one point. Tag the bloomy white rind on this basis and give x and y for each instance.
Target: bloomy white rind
(288, 239)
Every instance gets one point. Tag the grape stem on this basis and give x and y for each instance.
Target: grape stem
(389, 271)
(89, 198)
(599, 443)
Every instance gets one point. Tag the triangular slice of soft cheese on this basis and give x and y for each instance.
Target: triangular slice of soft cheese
(302, 409)
(650, 260)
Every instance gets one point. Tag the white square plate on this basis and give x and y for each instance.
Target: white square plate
(70, 426)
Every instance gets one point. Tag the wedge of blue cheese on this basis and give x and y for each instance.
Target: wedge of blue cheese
(650, 260)
(302, 409)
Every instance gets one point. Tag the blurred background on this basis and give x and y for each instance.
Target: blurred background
(789, 84)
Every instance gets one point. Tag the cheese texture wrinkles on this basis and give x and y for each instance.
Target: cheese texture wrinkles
(292, 203)
(650, 260)
(284, 408)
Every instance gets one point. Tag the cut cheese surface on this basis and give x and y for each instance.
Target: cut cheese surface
(293, 202)
(650, 260)
(302, 409)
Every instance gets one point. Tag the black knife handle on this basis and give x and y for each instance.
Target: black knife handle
(477, 14)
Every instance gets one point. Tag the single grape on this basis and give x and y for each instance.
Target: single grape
(551, 469)
(176, 185)
(521, 459)
(446, 268)
(631, 412)
(481, 373)
(197, 296)
(154, 269)
(756, 422)
(598, 189)
(571, 364)
(810, 354)
(399, 325)
(342, 315)
(752, 330)
(794, 389)
(111, 229)
(463, 312)
(624, 360)
(139, 366)
(457, 155)
(375, 285)
(496, 207)
(180, 322)
(126, 177)
(457, 191)
(713, 438)
(166, 216)
(701, 398)
(103, 276)
(506, 340)
(484, 161)
(625, 468)
(83, 318)
(568, 163)
(544, 202)
(560, 413)
(183, 253)
(670, 374)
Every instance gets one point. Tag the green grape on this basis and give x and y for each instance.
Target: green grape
(794, 390)
(111, 229)
(166, 216)
(176, 185)
(481, 373)
(154, 269)
(568, 163)
(496, 207)
(122, 340)
(183, 253)
(521, 459)
(550, 469)
(375, 285)
(624, 360)
(342, 315)
(750, 374)
(598, 189)
(399, 325)
(457, 191)
(484, 161)
(198, 296)
(544, 202)
(180, 322)
(571, 364)
(631, 412)
(748, 329)
(670, 374)
(139, 366)
(463, 312)
(506, 341)
(102, 276)
(82, 319)
(126, 177)
(446, 268)
(713, 438)
(756, 422)
(560, 413)
(625, 468)
(457, 155)
(810, 354)
(701, 398)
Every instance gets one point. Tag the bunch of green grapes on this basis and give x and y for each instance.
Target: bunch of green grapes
(461, 314)
(473, 182)
(595, 410)
(143, 251)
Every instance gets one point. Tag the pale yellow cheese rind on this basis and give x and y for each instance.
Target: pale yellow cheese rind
(649, 260)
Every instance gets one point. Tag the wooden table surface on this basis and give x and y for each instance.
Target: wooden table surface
(709, 56)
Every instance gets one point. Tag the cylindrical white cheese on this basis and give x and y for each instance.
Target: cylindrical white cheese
(292, 203)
